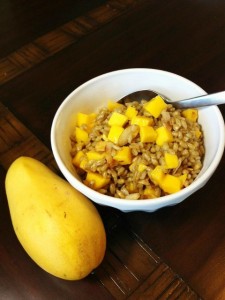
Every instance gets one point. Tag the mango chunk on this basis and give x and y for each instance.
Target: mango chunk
(85, 119)
(198, 133)
(100, 146)
(171, 160)
(147, 134)
(94, 155)
(113, 105)
(142, 167)
(81, 135)
(96, 181)
(155, 106)
(83, 163)
(131, 187)
(142, 121)
(117, 119)
(190, 114)
(170, 184)
(82, 119)
(183, 178)
(78, 158)
(157, 175)
(114, 133)
(164, 135)
(150, 193)
(131, 112)
(123, 156)
(91, 120)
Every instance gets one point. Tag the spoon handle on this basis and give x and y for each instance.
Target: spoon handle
(206, 100)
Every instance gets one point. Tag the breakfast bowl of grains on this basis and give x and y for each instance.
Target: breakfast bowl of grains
(138, 155)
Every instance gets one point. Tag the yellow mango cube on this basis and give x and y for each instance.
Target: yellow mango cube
(92, 117)
(131, 112)
(85, 119)
(157, 175)
(155, 106)
(171, 184)
(82, 119)
(123, 156)
(114, 133)
(83, 163)
(100, 146)
(141, 121)
(142, 167)
(96, 181)
(190, 114)
(117, 119)
(91, 120)
(147, 134)
(183, 178)
(150, 193)
(113, 105)
(171, 160)
(164, 135)
(81, 135)
(94, 155)
(78, 158)
(198, 133)
(131, 187)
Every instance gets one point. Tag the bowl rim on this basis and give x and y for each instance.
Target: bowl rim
(117, 202)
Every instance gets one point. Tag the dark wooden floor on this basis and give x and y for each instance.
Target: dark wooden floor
(47, 49)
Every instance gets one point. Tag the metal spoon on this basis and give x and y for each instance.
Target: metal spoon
(205, 100)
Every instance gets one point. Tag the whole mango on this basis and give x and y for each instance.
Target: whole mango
(59, 228)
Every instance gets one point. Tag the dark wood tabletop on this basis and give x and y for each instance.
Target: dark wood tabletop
(47, 49)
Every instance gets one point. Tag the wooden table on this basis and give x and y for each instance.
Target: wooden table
(47, 49)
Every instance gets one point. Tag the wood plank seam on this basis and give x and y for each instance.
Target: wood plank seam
(159, 282)
(58, 39)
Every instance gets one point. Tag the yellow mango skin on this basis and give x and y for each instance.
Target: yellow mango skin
(59, 228)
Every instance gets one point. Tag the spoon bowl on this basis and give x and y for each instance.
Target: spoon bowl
(200, 101)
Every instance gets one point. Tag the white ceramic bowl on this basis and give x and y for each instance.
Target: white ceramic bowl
(96, 92)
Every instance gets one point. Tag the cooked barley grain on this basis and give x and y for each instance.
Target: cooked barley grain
(127, 181)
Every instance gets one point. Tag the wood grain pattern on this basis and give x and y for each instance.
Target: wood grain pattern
(48, 48)
(58, 39)
(16, 140)
(130, 268)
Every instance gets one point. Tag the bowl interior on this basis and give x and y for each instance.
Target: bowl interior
(111, 86)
